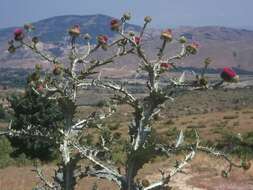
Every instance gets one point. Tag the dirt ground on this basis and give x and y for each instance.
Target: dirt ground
(203, 173)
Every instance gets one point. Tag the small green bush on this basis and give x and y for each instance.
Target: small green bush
(5, 152)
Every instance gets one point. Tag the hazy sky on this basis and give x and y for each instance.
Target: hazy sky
(235, 13)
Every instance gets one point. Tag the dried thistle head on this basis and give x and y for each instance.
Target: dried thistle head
(74, 31)
(167, 35)
(127, 16)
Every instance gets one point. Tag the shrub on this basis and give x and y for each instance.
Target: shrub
(230, 117)
(6, 150)
(238, 144)
(118, 154)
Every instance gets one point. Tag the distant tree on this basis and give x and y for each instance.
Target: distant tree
(62, 86)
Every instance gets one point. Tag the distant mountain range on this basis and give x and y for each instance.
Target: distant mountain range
(226, 46)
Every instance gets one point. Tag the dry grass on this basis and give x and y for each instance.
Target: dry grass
(204, 171)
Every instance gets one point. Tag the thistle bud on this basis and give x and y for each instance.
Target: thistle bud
(35, 40)
(203, 81)
(147, 19)
(207, 61)
(115, 24)
(104, 46)
(192, 48)
(74, 31)
(127, 16)
(11, 42)
(102, 39)
(29, 27)
(11, 49)
(167, 35)
(87, 36)
(131, 33)
(35, 76)
(18, 34)
(38, 67)
(182, 40)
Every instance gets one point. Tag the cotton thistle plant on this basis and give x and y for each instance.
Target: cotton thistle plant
(65, 81)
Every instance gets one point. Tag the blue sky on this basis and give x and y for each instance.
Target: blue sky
(233, 13)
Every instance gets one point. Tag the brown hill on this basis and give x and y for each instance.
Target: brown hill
(226, 46)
